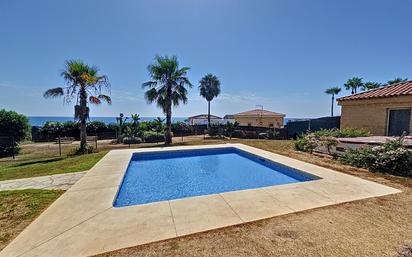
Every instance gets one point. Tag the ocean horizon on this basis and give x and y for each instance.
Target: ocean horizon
(40, 120)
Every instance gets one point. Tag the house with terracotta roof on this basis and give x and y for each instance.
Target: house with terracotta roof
(260, 118)
(385, 111)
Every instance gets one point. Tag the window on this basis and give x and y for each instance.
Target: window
(271, 125)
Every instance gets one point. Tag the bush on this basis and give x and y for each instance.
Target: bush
(12, 126)
(306, 143)
(78, 151)
(213, 130)
(392, 157)
(181, 128)
(96, 126)
(348, 132)
(326, 138)
(131, 140)
(153, 137)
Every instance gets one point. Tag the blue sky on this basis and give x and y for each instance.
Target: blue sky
(281, 54)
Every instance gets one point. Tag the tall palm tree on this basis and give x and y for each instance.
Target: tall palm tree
(332, 91)
(371, 85)
(353, 84)
(209, 88)
(167, 87)
(396, 80)
(85, 84)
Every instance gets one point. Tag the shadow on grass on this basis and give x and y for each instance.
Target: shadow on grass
(38, 162)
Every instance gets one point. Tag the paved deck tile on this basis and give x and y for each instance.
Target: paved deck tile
(84, 222)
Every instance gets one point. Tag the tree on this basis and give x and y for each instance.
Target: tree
(209, 88)
(167, 87)
(85, 84)
(332, 91)
(353, 84)
(371, 85)
(396, 80)
(158, 125)
(14, 127)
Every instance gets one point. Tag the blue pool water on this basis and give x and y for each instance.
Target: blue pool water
(159, 176)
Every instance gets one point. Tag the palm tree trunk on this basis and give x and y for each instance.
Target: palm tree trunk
(168, 132)
(83, 115)
(331, 107)
(208, 113)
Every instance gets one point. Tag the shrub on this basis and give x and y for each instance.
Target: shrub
(153, 137)
(131, 140)
(326, 138)
(181, 128)
(392, 157)
(306, 143)
(96, 126)
(213, 130)
(12, 126)
(347, 132)
(79, 151)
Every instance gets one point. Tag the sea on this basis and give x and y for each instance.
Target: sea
(40, 120)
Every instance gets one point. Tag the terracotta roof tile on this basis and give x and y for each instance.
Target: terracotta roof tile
(398, 89)
(258, 112)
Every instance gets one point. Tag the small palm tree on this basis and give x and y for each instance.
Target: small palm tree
(397, 80)
(332, 91)
(353, 84)
(158, 125)
(209, 88)
(371, 85)
(167, 87)
(85, 84)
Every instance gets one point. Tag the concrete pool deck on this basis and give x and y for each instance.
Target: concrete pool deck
(83, 221)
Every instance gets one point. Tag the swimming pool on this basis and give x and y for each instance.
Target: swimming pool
(168, 175)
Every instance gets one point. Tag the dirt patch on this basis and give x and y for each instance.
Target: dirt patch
(19, 208)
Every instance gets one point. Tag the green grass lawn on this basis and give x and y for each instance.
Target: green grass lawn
(41, 166)
(18, 208)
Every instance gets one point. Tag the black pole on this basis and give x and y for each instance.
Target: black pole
(96, 140)
(60, 146)
(12, 146)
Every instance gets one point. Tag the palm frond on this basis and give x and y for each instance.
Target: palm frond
(106, 98)
(54, 92)
(94, 100)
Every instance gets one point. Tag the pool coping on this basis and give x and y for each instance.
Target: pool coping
(83, 221)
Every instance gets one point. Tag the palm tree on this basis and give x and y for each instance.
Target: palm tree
(332, 91)
(85, 84)
(371, 85)
(353, 84)
(209, 88)
(158, 125)
(167, 87)
(397, 80)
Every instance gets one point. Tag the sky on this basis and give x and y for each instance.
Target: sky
(281, 54)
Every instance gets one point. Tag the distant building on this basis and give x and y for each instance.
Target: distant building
(202, 120)
(385, 111)
(260, 118)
